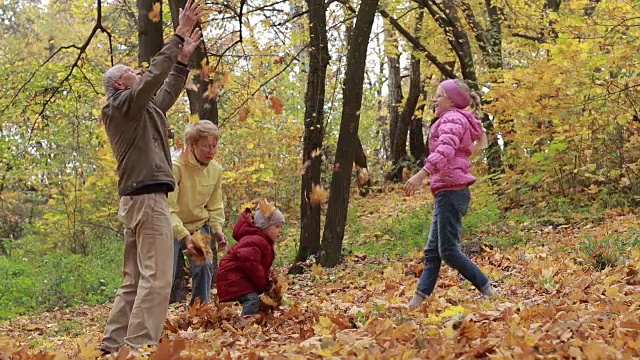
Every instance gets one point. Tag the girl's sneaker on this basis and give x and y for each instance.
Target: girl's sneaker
(488, 290)
(416, 301)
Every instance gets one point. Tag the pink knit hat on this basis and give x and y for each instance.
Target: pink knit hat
(457, 97)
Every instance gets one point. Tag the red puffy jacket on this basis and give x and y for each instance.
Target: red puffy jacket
(245, 268)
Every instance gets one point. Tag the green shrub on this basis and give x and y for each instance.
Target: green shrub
(610, 251)
(59, 280)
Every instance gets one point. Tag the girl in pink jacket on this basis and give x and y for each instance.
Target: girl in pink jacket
(451, 142)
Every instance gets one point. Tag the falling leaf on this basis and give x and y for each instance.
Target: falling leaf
(213, 91)
(206, 69)
(154, 14)
(266, 208)
(280, 60)
(318, 195)
(225, 78)
(276, 104)
(243, 113)
(316, 152)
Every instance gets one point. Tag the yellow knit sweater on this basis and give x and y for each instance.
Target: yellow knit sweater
(197, 198)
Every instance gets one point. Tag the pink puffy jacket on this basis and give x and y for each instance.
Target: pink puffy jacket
(451, 141)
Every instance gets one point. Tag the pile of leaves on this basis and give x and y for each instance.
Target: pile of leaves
(551, 303)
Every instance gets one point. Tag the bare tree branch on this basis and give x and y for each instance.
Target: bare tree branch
(444, 69)
(538, 38)
(480, 33)
(81, 50)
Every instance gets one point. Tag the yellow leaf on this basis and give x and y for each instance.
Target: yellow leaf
(316, 152)
(318, 195)
(88, 350)
(453, 311)
(266, 208)
(449, 332)
(324, 352)
(154, 14)
(612, 291)
(403, 332)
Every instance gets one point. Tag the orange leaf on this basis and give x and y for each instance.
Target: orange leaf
(243, 113)
(318, 195)
(154, 14)
(276, 104)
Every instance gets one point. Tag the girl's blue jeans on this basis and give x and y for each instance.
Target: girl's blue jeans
(444, 243)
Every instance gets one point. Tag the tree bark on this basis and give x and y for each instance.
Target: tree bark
(395, 88)
(313, 129)
(350, 120)
(399, 144)
(150, 39)
(416, 136)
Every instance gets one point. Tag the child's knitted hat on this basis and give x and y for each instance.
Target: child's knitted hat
(264, 219)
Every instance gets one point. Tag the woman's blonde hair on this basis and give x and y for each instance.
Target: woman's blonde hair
(198, 130)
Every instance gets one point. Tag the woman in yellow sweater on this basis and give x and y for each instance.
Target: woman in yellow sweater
(196, 204)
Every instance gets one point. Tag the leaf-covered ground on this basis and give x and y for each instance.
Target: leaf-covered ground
(553, 302)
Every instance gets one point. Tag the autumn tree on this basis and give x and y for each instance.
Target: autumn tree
(350, 119)
(313, 130)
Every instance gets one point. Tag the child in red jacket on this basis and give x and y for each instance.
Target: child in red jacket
(245, 270)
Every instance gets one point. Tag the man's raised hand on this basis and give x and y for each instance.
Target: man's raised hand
(190, 43)
(188, 18)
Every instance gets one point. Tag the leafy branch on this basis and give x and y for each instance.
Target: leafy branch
(287, 65)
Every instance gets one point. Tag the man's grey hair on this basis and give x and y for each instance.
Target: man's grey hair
(112, 75)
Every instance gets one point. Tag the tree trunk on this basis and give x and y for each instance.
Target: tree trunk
(350, 120)
(205, 107)
(313, 129)
(399, 143)
(395, 88)
(150, 39)
(416, 137)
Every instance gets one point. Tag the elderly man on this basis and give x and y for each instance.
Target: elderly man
(135, 122)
